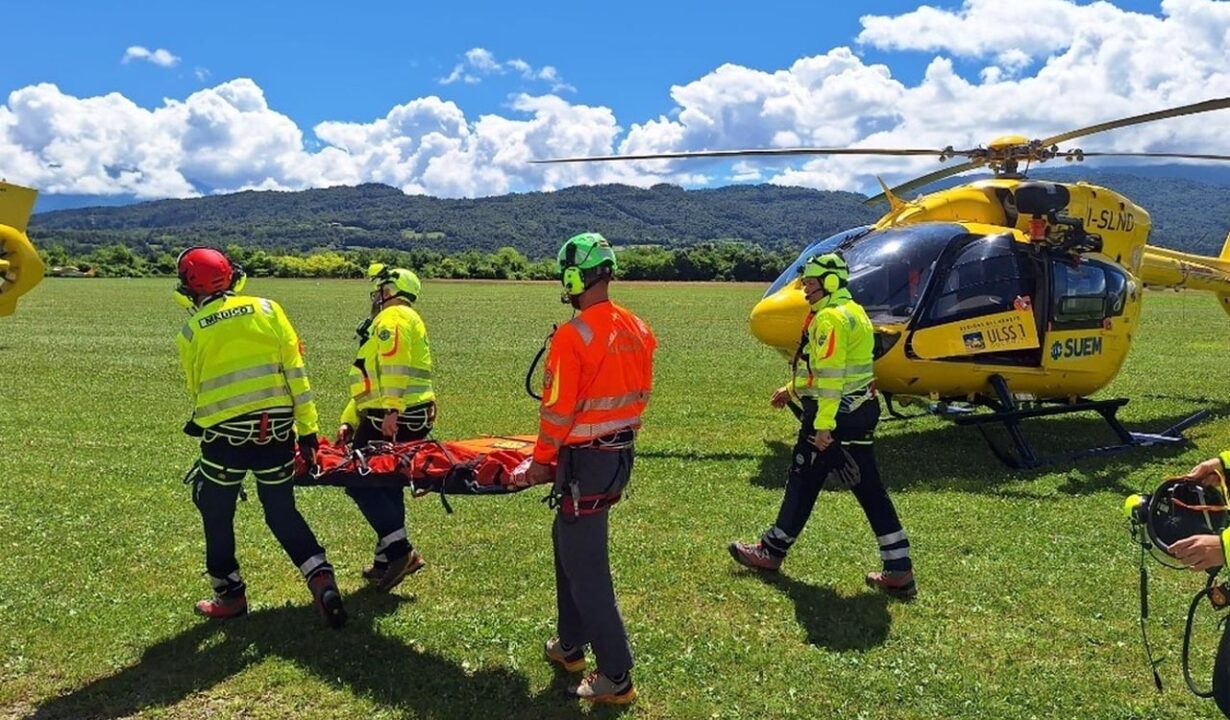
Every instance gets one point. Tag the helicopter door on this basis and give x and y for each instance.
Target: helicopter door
(981, 306)
(1087, 297)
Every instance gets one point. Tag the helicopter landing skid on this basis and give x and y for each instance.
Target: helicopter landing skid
(1010, 415)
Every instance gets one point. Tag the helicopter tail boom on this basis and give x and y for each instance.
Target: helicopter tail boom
(1166, 268)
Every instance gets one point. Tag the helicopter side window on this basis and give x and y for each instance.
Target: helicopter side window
(986, 277)
(1086, 294)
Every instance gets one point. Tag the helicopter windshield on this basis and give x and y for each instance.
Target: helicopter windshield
(889, 269)
(819, 247)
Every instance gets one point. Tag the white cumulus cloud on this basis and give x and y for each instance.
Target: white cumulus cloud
(480, 63)
(160, 57)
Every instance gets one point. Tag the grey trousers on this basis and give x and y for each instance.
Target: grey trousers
(584, 593)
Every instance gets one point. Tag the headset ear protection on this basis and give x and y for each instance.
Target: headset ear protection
(831, 283)
(571, 279)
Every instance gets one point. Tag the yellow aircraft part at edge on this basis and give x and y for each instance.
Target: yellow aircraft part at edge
(20, 266)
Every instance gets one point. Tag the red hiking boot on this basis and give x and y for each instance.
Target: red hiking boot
(327, 598)
(755, 556)
(223, 607)
(894, 583)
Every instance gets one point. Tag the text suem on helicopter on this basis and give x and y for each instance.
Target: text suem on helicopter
(1017, 297)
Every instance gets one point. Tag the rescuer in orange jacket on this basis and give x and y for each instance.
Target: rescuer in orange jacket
(598, 377)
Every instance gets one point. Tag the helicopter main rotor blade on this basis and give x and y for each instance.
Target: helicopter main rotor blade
(927, 180)
(1189, 156)
(1200, 107)
(753, 152)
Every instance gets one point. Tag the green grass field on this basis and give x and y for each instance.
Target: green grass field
(1028, 581)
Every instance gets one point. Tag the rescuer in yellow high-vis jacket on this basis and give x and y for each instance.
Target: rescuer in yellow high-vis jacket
(834, 380)
(245, 373)
(391, 398)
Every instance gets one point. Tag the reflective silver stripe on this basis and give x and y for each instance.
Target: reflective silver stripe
(244, 399)
(891, 538)
(312, 564)
(295, 373)
(860, 369)
(219, 583)
(612, 402)
(387, 540)
(186, 331)
(776, 533)
(267, 306)
(239, 376)
(582, 329)
(825, 392)
(807, 392)
(604, 428)
(394, 391)
(854, 387)
(550, 441)
(894, 554)
(303, 398)
(825, 373)
(556, 418)
(405, 371)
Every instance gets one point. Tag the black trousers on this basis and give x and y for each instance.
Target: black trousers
(384, 508)
(848, 462)
(588, 612)
(218, 478)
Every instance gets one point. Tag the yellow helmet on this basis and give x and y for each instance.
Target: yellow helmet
(405, 283)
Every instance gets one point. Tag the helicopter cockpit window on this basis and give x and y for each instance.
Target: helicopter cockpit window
(986, 277)
(890, 269)
(1087, 293)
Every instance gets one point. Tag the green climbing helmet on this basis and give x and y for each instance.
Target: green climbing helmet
(827, 264)
(586, 252)
(405, 283)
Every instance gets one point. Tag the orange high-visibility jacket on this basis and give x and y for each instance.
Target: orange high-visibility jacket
(599, 374)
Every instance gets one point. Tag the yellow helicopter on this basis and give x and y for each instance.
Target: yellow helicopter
(1017, 296)
(20, 266)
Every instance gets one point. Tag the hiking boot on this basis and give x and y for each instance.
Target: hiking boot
(398, 569)
(894, 583)
(327, 598)
(374, 572)
(599, 688)
(572, 660)
(755, 556)
(223, 607)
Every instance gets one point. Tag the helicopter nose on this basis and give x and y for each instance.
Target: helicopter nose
(777, 320)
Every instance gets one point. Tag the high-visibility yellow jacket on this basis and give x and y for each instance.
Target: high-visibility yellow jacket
(1225, 535)
(240, 354)
(393, 368)
(835, 356)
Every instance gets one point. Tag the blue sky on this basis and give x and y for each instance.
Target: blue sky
(155, 99)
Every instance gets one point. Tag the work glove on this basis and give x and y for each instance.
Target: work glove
(388, 426)
(845, 475)
(308, 445)
(191, 429)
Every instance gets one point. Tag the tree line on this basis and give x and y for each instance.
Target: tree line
(728, 261)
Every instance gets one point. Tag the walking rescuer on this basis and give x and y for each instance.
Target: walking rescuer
(250, 390)
(597, 382)
(834, 381)
(392, 399)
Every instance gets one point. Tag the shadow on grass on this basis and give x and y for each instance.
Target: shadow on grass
(950, 457)
(357, 658)
(833, 621)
